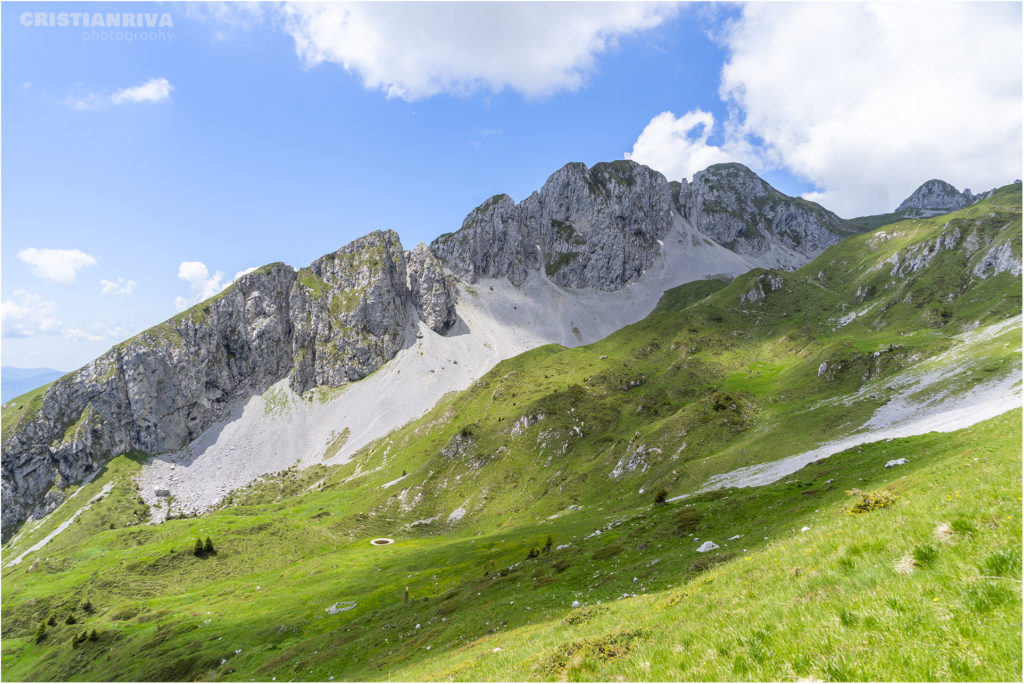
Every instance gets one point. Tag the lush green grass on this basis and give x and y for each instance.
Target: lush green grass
(26, 405)
(826, 603)
(562, 442)
(862, 224)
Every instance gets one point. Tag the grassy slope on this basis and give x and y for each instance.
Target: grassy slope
(711, 382)
(825, 603)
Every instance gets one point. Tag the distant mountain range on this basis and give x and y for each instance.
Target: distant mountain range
(16, 381)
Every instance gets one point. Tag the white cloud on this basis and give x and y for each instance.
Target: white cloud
(243, 272)
(678, 146)
(866, 101)
(153, 90)
(120, 287)
(416, 50)
(27, 314)
(57, 265)
(924, 92)
(79, 335)
(201, 284)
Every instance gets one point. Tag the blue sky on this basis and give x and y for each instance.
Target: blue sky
(242, 136)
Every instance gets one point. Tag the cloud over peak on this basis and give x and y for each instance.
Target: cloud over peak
(416, 50)
(864, 100)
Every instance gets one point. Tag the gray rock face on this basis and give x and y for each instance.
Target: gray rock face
(350, 311)
(730, 204)
(936, 197)
(432, 290)
(999, 259)
(336, 321)
(770, 281)
(586, 228)
(154, 393)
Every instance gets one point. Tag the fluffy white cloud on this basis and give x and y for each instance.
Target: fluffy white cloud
(27, 314)
(923, 91)
(678, 146)
(57, 265)
(415, 50)
(201, 284)
(120, 287)
(153, 90)
(866, 101)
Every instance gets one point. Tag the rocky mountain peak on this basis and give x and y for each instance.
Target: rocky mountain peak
(592, 227)
(735, 207)
(935, 197)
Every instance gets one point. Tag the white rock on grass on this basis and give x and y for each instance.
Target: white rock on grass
(895, 462)
(707, 546)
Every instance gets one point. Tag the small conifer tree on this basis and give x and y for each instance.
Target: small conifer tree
(208, 546)
(198, 550)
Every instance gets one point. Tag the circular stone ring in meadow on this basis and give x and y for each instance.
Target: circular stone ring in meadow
(383, 541)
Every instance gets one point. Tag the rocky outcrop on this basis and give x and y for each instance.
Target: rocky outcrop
(586, 228)
(432, 290)
(730, 204)
(999, 259)
(331, 323)
(154, 393)
(935, 197)
(350, 311)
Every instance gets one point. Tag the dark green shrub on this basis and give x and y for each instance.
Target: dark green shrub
(708, 561)
(533, 553)
(607, 552)
(660, 497)
(686, 520)
(548, 543)
(208, 547)
(40, 631)
(925, 554)
(561, 565)
(198, 550)
(70, 620)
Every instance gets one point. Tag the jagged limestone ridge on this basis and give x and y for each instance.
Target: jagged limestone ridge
(602, 227)
(331, 323)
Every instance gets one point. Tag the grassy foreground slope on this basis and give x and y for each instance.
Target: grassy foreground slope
(567, 444)
(926, 588)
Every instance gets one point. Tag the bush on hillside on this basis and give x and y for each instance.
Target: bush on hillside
(869, 501)
(686, 520)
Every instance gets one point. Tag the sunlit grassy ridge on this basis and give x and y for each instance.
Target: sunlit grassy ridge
(561, 442)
